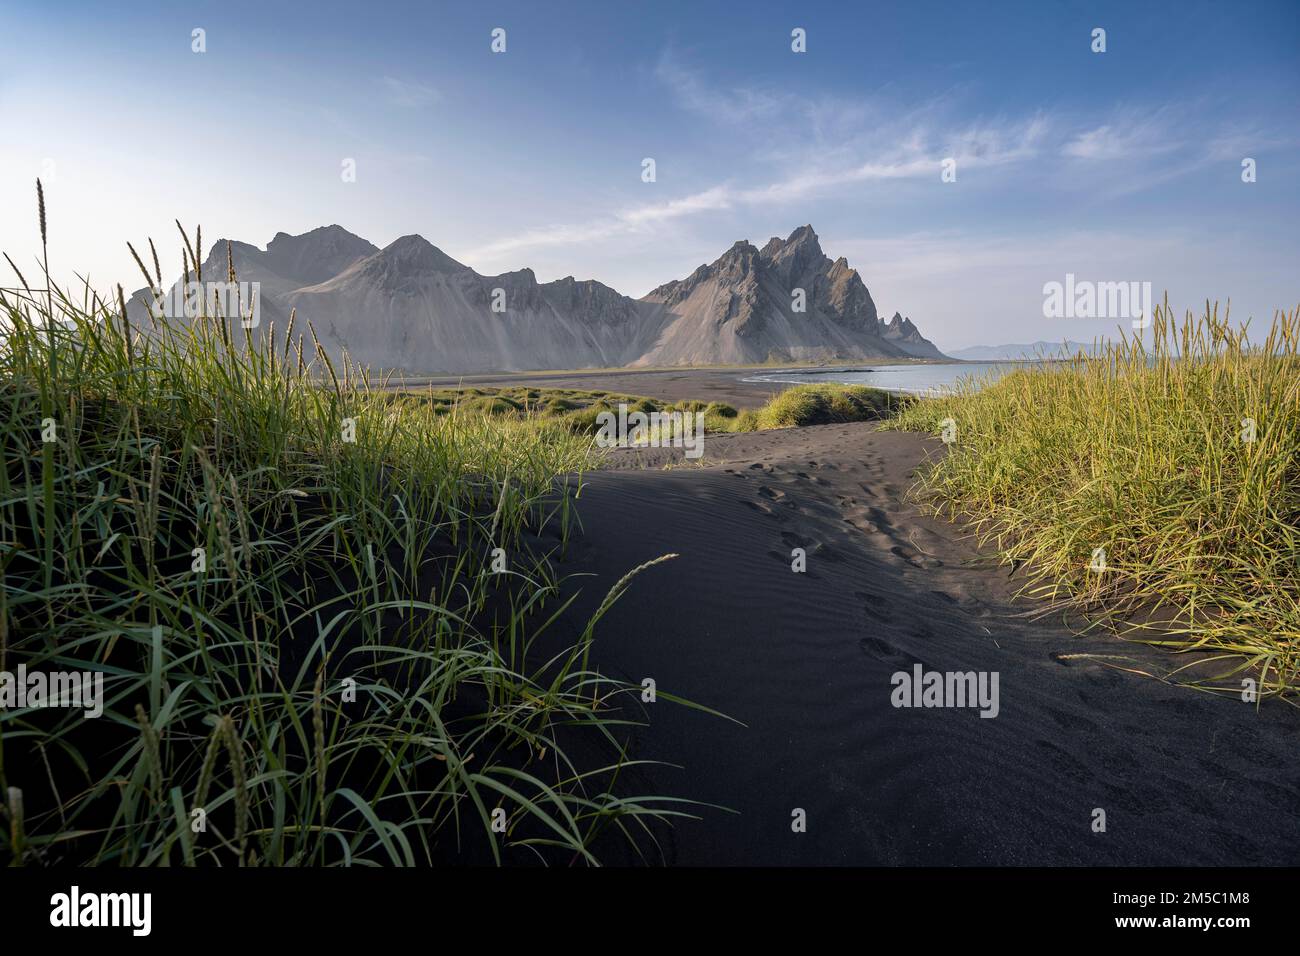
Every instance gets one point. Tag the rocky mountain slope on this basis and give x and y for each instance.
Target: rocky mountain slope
(786, 302)
(411, 306)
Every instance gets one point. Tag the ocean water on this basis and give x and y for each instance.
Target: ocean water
(914, 379)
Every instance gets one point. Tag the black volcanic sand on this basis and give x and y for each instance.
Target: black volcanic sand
(805, 661)
(672, 385)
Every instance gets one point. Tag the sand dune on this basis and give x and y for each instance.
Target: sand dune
(805, 661)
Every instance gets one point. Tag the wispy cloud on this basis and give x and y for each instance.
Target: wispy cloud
(803, 148)
(814, 146)
(734, 105)
(629, 221)
(917, 157)
(1155, 146)
(1104, 142)
(409, 94)
(1129, 133)
(919, 256)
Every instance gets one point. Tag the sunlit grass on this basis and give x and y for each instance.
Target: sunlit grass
(825, 405)
(287, 578)
(577, 409)
(1180, 461)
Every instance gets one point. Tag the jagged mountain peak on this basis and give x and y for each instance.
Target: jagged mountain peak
(317, 255)
(411, 306)
(804, 237)
(413, 255)
(586, 286)
(601, 304)
(742, 255)
(903, 332)
(522, 275)
(798, 259)
(289, 261)
(218, 250)
(803, 241)
(785, 302)
(740, 260)
(321, 234)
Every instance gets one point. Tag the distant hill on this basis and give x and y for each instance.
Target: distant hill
(1035, 350)
(411, 306)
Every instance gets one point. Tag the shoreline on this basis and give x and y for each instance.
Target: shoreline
(743, 387)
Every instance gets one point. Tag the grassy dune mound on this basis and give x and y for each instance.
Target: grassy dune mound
(310, 604)
(1147, 485)
(575, 409)
(825, 405)
(578, 410)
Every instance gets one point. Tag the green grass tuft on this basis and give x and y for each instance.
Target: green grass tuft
(286, 579)
(825, 405)
(1143, 453)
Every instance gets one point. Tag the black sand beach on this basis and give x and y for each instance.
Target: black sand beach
(804, 661)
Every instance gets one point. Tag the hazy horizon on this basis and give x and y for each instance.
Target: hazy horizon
(1115, 166)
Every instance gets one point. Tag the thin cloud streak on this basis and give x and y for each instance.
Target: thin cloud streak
(409, 94)
(973, 148)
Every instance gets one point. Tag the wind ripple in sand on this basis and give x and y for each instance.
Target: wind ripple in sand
(805, 661)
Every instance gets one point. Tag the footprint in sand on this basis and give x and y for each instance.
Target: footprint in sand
(785, 559)
(878, 516)
(878, 613)
(903, 554)
(887, 653)
(875, 607)
(817, 549)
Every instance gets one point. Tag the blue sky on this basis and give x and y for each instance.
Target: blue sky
(1123, 165)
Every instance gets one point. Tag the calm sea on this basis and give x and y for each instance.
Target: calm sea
(915, 379)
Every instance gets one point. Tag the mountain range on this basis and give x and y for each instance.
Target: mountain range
(410, 306)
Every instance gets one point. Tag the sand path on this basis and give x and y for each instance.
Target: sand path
(805, 661)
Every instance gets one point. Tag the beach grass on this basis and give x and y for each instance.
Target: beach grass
(314, 608)
(577, 409)
(825, 405)
(1155, 488)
